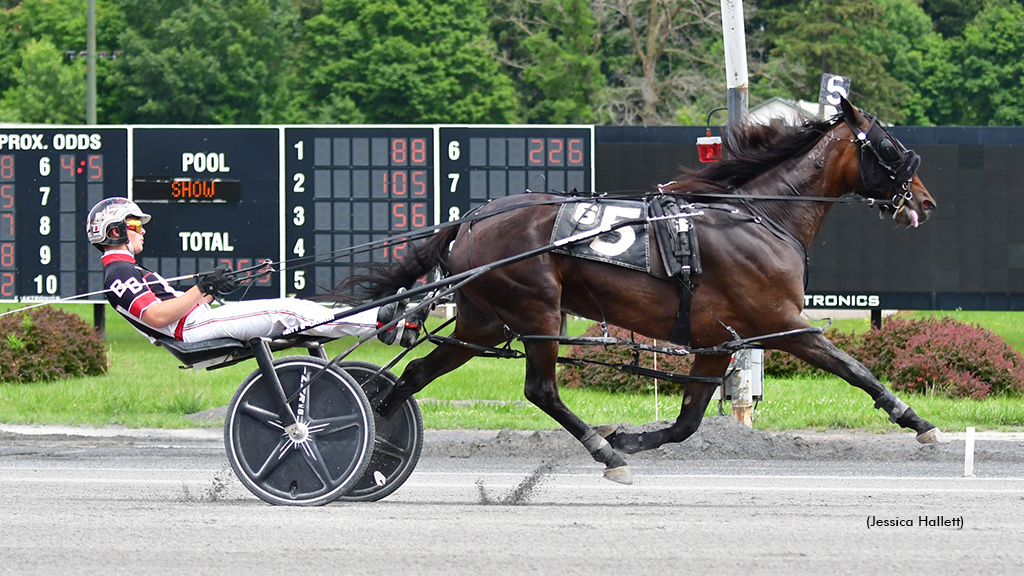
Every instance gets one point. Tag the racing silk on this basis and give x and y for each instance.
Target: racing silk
(133, 289)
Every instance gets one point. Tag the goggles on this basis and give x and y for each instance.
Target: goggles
(133, 224)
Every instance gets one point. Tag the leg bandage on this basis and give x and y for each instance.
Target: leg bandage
(598, 447)
(892, 405)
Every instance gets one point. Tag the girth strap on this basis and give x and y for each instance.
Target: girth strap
(681, 330)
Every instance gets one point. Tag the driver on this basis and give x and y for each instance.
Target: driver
(115, 226)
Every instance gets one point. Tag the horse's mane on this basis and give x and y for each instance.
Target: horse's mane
(748, 150)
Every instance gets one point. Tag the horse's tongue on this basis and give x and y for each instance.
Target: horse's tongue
(913, 218)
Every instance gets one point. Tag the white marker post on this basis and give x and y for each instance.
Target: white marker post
(969, 453)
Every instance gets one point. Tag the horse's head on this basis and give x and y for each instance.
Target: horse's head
(886, 170)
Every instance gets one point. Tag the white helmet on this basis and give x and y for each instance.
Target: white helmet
(109, 214)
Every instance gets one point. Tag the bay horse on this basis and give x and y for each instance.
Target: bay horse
(752, 282)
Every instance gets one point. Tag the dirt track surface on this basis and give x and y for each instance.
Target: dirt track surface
(718, 438)
(730, 500)
(723, 438)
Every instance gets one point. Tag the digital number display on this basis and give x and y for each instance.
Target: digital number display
(481, 164)
(186, 190)
(190, 180)
(348, 187)
(49, 180)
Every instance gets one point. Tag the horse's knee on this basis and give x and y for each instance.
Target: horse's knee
(540, 394)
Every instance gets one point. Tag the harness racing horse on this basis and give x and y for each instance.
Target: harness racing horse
(751, 284)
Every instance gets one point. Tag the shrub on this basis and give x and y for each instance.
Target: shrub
(957, 360)
(596, 377)
(48, 344)
(877, 348)
(937, 356)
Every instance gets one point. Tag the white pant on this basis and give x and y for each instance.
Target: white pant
(255, 318)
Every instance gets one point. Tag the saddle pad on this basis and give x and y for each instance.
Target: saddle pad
(627, 246)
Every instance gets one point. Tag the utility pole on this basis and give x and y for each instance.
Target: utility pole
(90, 63)
(735, 59)
(99, 319)
(734, 36)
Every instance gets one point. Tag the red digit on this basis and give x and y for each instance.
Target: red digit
(398, 250)
(67, 167)
(7, 255)
(536, 151)
(95, 167)
(7, 167)
(7, 284)
(266, 278)
(419, 183)
(398, 183)
(419, 215)
(419, 151)
(575, 152)
(398, 150)
(399, 216)
(6, 196)
(555, 151)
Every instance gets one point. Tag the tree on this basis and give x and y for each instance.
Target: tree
(905, 40)
(402, 61)
(949, 17)
(832, 37)
(659, 56)
(989, 89)
(44, 90)
(551, 50)
(61, 23)
(204, 61)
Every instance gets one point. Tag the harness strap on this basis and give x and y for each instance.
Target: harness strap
(680, 335)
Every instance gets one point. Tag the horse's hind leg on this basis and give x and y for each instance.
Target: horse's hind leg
(470, 327)
(696, 397)
(816, 350)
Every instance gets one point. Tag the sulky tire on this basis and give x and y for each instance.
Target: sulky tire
(398, 442)
(331, 454)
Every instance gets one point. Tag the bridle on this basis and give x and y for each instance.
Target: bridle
(899, 165)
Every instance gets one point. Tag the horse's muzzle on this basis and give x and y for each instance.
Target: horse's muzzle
(913, 208)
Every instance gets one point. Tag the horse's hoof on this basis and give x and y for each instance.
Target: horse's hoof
(933, 436)
(622, 474)
(606, 430)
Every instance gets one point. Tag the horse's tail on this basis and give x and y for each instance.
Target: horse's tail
(374, 281)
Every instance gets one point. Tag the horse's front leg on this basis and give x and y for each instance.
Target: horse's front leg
(542, 389)
(817, 351)
(695, 402)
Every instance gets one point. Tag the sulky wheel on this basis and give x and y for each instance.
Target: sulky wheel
(399, 441)
(329, 450)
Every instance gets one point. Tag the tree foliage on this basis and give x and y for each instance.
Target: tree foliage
(204, 61)
(405, 61)
(551, 50)
(650, 62)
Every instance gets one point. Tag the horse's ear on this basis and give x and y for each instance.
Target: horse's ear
(849, 112)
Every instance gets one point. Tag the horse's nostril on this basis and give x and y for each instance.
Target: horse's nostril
(927, 206)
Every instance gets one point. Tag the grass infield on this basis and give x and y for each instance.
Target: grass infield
(146, 388)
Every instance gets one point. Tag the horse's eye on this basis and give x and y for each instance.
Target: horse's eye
(887, 150)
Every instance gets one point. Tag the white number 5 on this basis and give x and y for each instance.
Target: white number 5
(610, 215)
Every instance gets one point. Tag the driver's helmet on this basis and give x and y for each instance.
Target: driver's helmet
(108, 214)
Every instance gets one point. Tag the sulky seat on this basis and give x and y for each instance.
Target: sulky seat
(222, 352)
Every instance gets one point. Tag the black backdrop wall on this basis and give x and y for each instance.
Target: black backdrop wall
(969, 255)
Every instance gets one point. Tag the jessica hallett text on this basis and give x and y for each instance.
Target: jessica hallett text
(956, 523)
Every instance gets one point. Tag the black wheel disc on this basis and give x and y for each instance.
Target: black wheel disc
(399, 439)
(332, 444)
